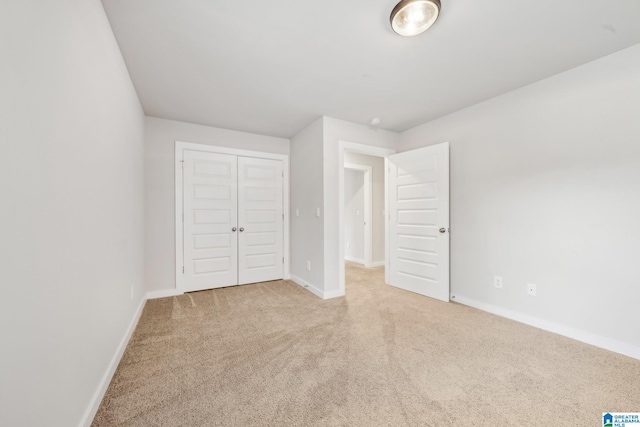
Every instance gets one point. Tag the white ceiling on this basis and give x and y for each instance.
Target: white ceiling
(271, 67)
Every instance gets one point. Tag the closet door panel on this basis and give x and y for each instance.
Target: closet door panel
(260, 218)
(210, 213)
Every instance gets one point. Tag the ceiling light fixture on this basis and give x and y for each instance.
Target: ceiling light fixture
(413, 17)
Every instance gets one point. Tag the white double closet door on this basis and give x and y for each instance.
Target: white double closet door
(233, 220)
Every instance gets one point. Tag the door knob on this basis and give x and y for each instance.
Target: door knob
(442, 230)
(233, 229)
(241, 229)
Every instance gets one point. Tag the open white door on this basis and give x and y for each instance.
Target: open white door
(419, 221)
(260, 220)
(210, 215)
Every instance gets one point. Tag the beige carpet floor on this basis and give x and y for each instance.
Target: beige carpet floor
(273, 354)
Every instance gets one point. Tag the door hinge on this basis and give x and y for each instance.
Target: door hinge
(183, 269)
(283, 260)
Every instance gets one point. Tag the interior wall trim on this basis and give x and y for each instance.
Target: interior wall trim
(317, 292)
(353, 259)
(98, 395)
(556, 328)
(163, 293)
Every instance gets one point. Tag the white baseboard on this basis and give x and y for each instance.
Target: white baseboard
(576, 334)
(317, 292)
(361, 261)
(94, 404)
(308, 286)
(333, 294)
(352, 259)
(163, 293)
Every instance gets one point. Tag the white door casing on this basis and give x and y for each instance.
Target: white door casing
(419, 221)
(210, 214)
(260, 220)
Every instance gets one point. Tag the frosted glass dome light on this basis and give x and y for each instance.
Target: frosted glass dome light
(412, 17)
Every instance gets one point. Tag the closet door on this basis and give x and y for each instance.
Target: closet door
(210, 214)
(260, 220)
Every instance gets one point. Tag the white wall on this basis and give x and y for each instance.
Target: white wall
(306, 197)
(545, 188)
(354, 215)
(160, 139)
(334, 131)
(377, 195)
(72, 186)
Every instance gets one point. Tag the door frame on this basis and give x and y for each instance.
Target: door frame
(370, 150)
(180, 147)
(368, 200)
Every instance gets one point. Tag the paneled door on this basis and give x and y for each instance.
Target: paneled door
(260, 220)
(419, 221)
(210, 212)
(233, 224)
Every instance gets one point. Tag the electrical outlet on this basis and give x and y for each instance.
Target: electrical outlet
(297, 212)
(497, 282)
(318, 212)
(531, 289)
(357, 212)
(309, 265)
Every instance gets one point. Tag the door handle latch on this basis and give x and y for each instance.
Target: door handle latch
(233, 229)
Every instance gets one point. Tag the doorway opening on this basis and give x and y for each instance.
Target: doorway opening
(362, 211)
(416, 216)
(358, 201)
